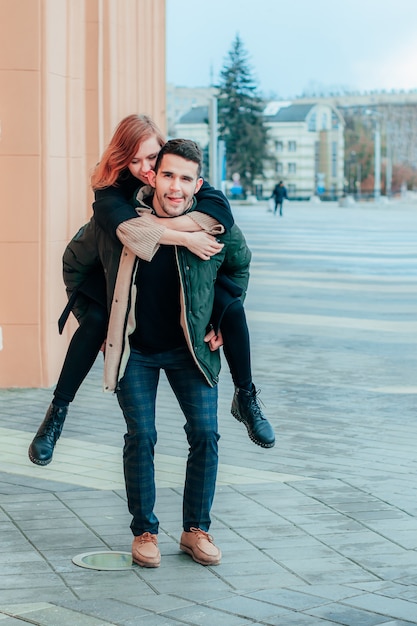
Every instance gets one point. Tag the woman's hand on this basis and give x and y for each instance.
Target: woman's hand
(202, 245)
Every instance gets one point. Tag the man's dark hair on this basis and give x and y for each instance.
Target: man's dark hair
(184, 148)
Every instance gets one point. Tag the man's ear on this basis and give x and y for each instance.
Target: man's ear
(198, 185)
(151, 178)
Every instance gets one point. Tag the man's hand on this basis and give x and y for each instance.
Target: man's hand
(202, 244)
(214, 341)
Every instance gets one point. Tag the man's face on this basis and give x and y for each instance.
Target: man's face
(175, 184)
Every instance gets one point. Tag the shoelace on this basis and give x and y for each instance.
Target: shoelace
(147, 537)
(202, 532)
(52, 429)
(256, 401)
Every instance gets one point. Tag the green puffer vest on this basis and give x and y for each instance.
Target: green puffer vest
(197, 279)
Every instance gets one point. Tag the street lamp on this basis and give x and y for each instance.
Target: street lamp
(388, 172)
(213, 146)
(377, 153)
(352, 173)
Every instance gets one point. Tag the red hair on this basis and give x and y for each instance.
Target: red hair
(126, 140)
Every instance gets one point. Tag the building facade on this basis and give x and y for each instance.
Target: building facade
(69, 71)
(305, 144)
(180, 100)
(195, 125)
(397, 116)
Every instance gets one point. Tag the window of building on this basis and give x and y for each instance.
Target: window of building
(292, 168)
(279, 146)
(291, 188)
(316, 157)
(324, 121)
(334, 159)
(279, 168)
(312, 122)
(335, 120)
(292, 146)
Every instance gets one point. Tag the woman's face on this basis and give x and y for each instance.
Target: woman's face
(144, 159)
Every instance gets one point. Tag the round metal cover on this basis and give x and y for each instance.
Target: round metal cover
(109, 561)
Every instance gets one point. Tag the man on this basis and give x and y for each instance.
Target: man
(278, 194)
(164, 327)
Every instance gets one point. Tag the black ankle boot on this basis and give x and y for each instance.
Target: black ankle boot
(246, 409)
(42, 447)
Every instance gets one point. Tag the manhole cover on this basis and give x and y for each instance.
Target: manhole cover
(104, 560)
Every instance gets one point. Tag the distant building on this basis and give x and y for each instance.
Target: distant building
(305, 143)
(194, 125)
(397, 111)
(179, 100)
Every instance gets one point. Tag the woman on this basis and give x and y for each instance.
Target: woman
(125, 163)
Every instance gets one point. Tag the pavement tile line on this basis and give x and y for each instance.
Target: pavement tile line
(47, 614)
(394, 390)
(300, 319)
(99, 466)
(337, 257)
(339, 280)
(310, 283)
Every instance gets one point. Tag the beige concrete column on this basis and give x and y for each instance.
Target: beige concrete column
(69, 71)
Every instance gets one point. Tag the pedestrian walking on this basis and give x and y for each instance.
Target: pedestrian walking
(278, 195)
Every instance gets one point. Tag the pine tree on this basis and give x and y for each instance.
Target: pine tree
(241, 121)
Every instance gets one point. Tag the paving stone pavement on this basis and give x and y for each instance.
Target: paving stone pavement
(319, 530)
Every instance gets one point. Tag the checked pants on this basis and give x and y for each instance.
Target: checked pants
(137, 398)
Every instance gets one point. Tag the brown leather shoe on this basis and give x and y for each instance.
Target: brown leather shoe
(145, 551)
(199, 544)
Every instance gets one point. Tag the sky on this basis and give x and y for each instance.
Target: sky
(296, 46)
